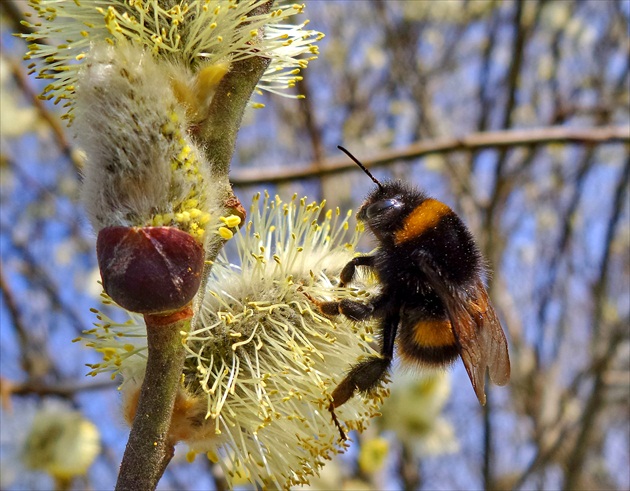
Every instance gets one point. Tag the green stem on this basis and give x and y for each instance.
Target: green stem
(220, 128)
(218, 133)
(149, 450)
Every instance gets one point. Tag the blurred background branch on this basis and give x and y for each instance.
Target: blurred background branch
(472, 142)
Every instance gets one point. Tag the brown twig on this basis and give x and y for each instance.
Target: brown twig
(517, 51)
(149, 449)
(51, 119)
(409, 468)
(44, 279)
(61, 389)
(474, 141)
(16, 319)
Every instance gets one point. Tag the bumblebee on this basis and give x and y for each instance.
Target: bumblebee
(433, 303)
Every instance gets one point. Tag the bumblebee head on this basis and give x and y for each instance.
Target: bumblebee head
(384, 209)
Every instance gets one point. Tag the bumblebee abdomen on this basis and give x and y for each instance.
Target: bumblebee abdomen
(425, 332)
(429, 342)
(433, 332)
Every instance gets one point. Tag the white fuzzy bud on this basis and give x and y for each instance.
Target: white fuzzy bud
(142, 167)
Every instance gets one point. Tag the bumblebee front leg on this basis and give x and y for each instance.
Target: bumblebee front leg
(355, 311)
(349, 270)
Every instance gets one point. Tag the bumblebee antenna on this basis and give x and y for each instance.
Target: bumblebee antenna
(356, 161)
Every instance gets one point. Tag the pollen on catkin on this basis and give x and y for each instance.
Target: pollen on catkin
(142, 167)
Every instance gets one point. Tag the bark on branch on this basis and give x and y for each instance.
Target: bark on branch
(474, 141)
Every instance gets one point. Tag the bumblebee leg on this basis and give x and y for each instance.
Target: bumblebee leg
(363, 377)
(366, 375)
(355, 311)
(348, 271)
(390, 327)
(337, 423)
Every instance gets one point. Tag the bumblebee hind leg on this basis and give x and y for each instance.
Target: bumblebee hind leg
(367, 374)
(362, 377)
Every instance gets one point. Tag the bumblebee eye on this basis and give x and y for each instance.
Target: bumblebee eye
(385, 204)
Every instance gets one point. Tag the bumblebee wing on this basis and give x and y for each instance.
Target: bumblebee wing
(480, 338)
(477, 330)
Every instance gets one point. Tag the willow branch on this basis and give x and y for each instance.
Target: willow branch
(219, 130)
(60, 389)
(596, 400)
(149, 450)
(474, 141)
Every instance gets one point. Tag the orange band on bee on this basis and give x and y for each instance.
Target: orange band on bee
(425, 216)
(433, 333)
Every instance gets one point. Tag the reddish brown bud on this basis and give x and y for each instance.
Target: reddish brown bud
(149, 269)
(235, 207)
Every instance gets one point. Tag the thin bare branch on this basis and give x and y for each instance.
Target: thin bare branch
(62, 389)
(11, 304)
(44, 280)
(474, 141)
(596, 400)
